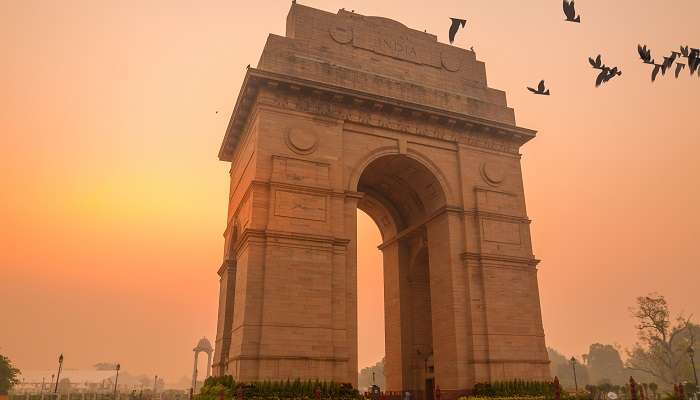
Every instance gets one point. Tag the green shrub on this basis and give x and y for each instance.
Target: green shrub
(215, 386)
(513, 389)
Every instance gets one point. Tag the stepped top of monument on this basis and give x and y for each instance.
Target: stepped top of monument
(377, 54)
(379, 57)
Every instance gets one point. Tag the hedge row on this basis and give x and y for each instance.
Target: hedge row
(515, 388)
(214, 387)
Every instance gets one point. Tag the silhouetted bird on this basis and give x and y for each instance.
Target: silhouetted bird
(655, 71)
(601, 78)
(597, 63)
(456, 22)
(606, 74)
(645, 54)
(679, 68)
(693, 61)
(668, 62)
(540, 89)
(570, 11)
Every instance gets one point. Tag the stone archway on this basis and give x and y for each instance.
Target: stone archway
(349, 111)
(401, 195)
(203, 346)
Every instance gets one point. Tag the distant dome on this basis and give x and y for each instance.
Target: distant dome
(204, 345)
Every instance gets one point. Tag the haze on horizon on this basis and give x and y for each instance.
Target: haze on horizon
(115, 202)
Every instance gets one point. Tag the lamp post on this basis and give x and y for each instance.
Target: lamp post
(58, 376)
(116, 379)
(691, 354)
(573, 366)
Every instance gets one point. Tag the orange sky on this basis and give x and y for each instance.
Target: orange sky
(114, 202)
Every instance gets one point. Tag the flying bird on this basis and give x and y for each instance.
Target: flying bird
(668, 62)
(655, 71)
(645, 54)
(693, 61)
(456, 22)
(541, 90)
(679, 68)
(606, 74)
(601, 78)
(597, 63)
(570, 11)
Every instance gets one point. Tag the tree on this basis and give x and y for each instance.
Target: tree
(64, 385)
(8, 375)
(605, 364)
(661, 349)
(560, 366)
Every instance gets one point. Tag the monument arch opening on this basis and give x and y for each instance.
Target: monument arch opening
(332, 121)
(370, 303)
(403, 197)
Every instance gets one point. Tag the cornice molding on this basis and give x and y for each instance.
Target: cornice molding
(367, 108)
(263, 235)
(227, 265)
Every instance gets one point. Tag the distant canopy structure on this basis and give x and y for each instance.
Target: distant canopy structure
(203, 346)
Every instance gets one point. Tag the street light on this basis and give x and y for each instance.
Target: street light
(573, 366)
(116, 379)
(691, 354)
(58, 376)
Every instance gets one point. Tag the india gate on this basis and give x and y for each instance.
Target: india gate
(348, 111)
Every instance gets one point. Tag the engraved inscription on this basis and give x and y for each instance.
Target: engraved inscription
(398, 48)
(383, 42)
(300, 172)
(300, 205)
(500, 231)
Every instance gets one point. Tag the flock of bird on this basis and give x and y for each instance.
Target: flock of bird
(607, 73)
(691, 54)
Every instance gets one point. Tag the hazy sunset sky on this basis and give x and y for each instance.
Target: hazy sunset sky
(114, 202)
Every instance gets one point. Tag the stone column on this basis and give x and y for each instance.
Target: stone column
(450, 301)
(209, 364)
(194, 370)
(397, 318)
(227, 294)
